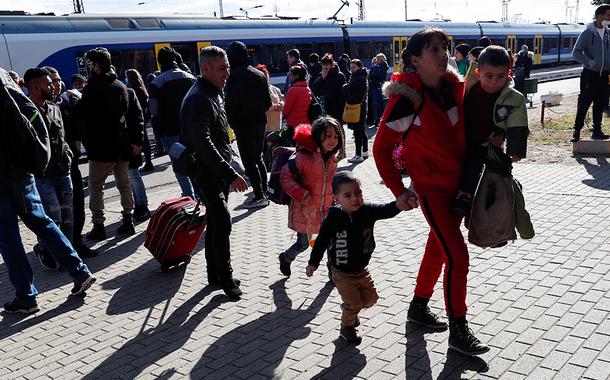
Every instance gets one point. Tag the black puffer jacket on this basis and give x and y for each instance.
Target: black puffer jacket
(103, 111)
(330, 89)
(247, 91)
(204, 131)
(356, 92)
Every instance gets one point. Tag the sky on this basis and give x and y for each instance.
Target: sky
(455, 10)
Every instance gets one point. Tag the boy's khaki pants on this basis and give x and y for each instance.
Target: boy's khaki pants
(357, 292)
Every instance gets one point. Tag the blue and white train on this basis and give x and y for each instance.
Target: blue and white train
(61, 41)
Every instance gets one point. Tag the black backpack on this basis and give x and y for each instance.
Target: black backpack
(316, 109)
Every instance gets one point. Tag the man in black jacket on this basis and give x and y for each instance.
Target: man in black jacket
(247, 100)
(166, 93)
(110, 140)
(204, 131)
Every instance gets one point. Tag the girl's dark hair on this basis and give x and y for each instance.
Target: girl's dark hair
(341, 179)
(328, 60)
(319, 127)
(356, 62)
(134, 80)
(463, 49)
(299, 71)
(418, 42)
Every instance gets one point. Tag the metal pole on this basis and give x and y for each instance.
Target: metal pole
(222, 12)
(542, 112)
(406, 18)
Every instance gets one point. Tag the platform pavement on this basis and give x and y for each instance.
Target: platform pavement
(542, 305)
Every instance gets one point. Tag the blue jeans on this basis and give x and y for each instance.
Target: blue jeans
(183, 181)
(56, 196)
(20, 198)
(137, 185)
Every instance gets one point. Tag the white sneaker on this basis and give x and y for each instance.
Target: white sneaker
(355, 159)
(365, 154)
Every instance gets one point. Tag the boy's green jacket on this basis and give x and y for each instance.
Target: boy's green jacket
(510, 117)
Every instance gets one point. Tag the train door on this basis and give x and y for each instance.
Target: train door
(511, 43)
(157, 48)
(537, 49)
(398, 44)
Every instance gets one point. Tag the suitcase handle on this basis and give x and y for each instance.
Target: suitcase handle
(195, 216)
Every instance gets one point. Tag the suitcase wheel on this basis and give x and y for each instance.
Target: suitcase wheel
(184, 261)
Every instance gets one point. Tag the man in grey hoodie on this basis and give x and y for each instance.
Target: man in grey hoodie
(592, 49)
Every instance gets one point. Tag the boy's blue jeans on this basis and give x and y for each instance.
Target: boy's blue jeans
(20, 198)
(183, 181)
(138, 187)
(56, 196)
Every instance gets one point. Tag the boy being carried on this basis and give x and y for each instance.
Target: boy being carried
(494, 112)
(347, 232)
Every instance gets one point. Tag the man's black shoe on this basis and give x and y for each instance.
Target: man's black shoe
(215, 282)
(462, 339)
(148, 167)
(420, 313)
(231, 289)
(97, 233)
(126, 227)
(81, 286)
(284, 265)
(599, 135)
(84, 251)
(141, 213)
(15, 306)
(575, 136)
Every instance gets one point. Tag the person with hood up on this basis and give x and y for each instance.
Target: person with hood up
(247, 100)
(592, 49)
(356, 91)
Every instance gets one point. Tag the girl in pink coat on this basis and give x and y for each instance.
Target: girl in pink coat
(310, 190)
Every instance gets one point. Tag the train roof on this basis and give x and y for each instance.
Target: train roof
(493, 28)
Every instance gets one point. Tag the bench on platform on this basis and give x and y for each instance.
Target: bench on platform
(587, 146)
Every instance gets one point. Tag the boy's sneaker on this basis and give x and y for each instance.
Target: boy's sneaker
(355, 159)
(420, 313)
(81, 286)
(365, 154)
(256, 202)
(231, 289)
(462, 339)
(284, 265)
(16, 306)
(350, 334)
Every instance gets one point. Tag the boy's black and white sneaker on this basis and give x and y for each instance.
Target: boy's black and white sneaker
(350, 335)
(462, 339)
(16, 306)
(284, 265)
(81, 286)
(420, 313)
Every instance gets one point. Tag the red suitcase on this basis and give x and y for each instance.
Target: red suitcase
(174, 231)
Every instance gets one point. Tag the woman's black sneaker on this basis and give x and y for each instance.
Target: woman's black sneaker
(231, 289)
(462, 339)
(284, 265)
(15, 306)
(420, 313)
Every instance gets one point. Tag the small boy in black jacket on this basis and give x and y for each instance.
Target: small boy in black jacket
(347, 233)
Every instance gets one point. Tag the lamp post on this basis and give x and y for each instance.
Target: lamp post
(245, 10)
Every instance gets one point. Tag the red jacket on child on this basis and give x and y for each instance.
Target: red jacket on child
(434, 148)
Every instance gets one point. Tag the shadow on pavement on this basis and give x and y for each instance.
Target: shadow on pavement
(599, 173)
(135, 287)
(259, 346)
(156, 343)
(457, 364)
(346, 363)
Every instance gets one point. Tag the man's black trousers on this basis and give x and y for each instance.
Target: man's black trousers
(593, 89)
(251, 141)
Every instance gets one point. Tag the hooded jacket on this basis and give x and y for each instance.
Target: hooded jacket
(247, 97)
(377, 74)
(510, 118)
(330, 89)
(434, 148)
(311, 192)
(296, 104)
(103, 110)
(166, 93)
(591, 51)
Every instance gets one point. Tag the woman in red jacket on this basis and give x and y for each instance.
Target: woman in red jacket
(426, 100)
(298, 98)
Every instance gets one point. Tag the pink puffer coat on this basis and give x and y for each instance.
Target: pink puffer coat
(311, 192)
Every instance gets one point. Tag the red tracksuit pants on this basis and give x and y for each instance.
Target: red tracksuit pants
(445, 246)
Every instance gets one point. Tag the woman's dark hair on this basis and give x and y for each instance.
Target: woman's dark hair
(463, 49)
(495, 56)
(341, 179)
(314, 58)
(101, 56)
(356, 62)
(476, 51)
(134, 80)
(328, 60)
(263, 68)
(484, 42)
(418, 42)
(294, 53)
(299, 71)
(319, 127)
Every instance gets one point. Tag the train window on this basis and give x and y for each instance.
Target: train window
(548, 45)
(276, 58)
(498, 41)
(305, 50)
(325, 48)
(148, 23)
(255, 54)
(141, 60)
(117, 61)
(188, 53)
(119, 23)
(384, 47)
(363, 50)
(525, 41)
